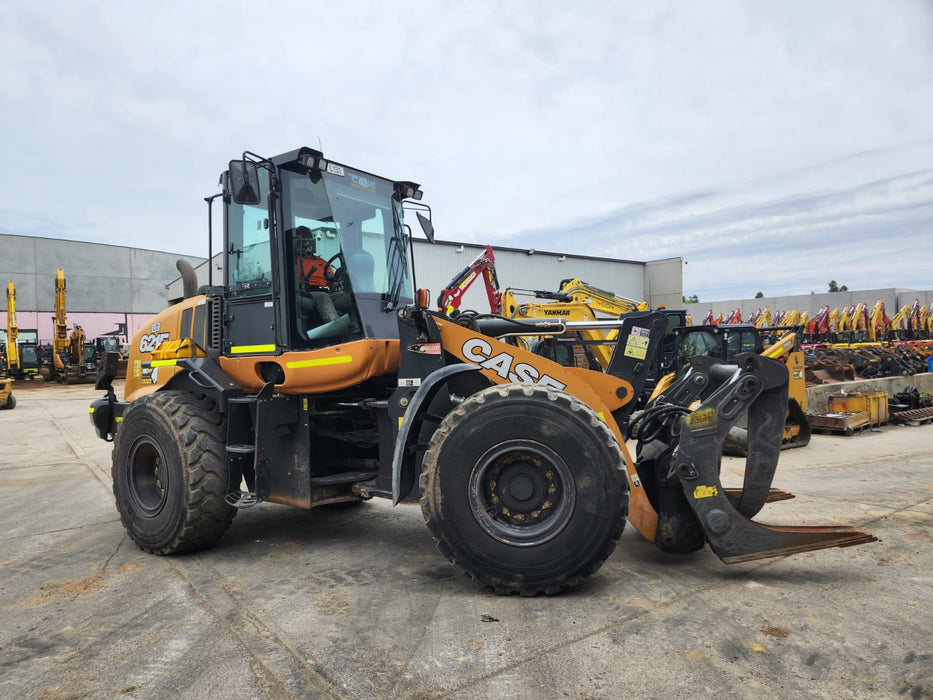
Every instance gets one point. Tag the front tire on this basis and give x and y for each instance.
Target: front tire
(10, 402)
(524, 489)
(170, 473)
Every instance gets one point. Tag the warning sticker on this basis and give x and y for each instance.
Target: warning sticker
(637, 344)
(705, 492)
(703, 420)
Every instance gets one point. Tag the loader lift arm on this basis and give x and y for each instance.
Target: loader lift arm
(676, 498)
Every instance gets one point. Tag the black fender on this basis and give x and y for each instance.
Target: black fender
(202, 375)
(404, 475)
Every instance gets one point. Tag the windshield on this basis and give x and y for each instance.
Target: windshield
(28, 356)
(353, 223)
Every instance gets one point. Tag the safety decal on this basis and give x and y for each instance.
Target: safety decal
(426, 348)
(637, 344)
(702, 420)
(705, 492)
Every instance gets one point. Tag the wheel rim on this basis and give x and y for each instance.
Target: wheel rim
(522, 493)
(147, 477)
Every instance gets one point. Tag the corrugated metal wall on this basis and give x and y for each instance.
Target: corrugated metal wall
(437, 264)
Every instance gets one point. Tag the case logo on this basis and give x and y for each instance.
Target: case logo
(479, 351)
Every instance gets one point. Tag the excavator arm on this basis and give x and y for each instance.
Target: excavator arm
(878, 323)
(12, 330)
(60, 342)
(484, 266)
(599, 299)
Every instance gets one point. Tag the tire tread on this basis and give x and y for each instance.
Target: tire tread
(200, 437)
(430, 497)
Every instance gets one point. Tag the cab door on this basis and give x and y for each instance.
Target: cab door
(249, 268)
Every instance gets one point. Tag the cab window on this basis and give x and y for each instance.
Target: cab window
(249, 253)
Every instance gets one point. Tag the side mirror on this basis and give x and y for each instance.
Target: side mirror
(243, 182)
(426, 226)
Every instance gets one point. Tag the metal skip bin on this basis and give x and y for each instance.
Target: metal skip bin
(874, 404)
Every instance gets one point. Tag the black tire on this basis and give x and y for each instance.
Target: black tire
(170, 473)
(10, 402)
(524, 489)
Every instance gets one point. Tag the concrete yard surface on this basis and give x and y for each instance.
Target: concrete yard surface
(357, 603)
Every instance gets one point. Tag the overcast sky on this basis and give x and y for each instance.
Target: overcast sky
(773, 145)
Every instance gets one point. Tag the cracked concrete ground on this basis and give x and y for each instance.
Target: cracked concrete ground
(357, 603)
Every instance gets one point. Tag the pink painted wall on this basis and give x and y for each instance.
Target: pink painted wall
(94, 324)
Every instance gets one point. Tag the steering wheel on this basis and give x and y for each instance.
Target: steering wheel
(335, 277)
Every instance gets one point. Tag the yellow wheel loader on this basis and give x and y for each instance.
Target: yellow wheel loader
(7, 400)
(246, 391)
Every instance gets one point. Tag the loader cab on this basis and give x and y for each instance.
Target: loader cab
(719, 342)
(315, 254)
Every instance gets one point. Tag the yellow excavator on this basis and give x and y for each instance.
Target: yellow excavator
(576, 301)
(60, 344)
(68, 364)
(242, 393)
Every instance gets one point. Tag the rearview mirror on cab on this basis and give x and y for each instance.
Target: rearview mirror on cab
(243, 182)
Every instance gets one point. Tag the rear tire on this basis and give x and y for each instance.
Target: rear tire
(524, 489)
(10, 402)
(170, 473)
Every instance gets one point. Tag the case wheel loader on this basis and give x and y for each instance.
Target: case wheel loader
(241, 394)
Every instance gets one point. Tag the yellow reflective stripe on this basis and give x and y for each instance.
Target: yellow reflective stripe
(320, 362)
(237, 349)
(90, 410)
(162, 363)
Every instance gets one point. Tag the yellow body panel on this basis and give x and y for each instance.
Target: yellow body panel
(159, 343)
(316, 371)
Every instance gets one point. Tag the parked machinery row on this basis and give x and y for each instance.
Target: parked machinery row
(69, 358)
